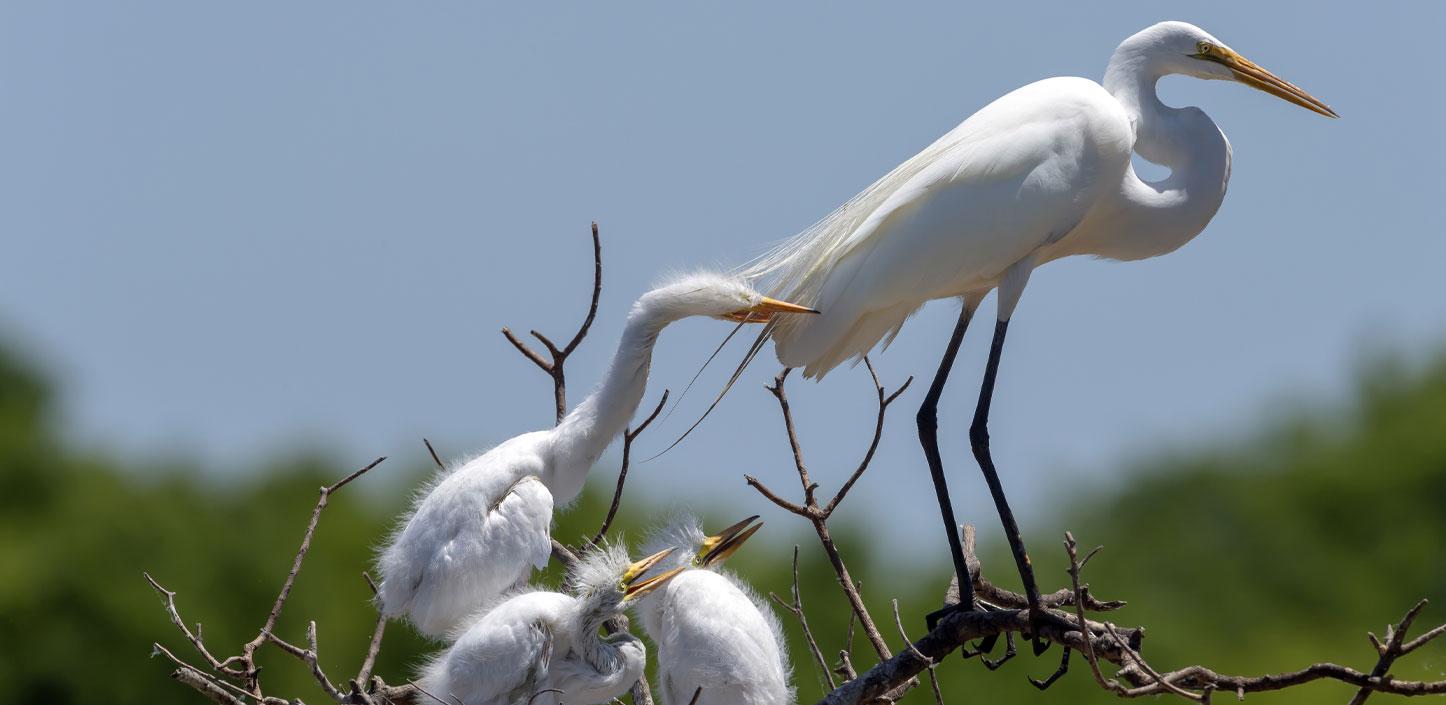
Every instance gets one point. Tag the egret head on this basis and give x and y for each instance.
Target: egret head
(1181, 47)
(608, 577)
(694, 549)
(717, 295)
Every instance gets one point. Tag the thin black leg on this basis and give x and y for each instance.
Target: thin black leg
(979, 441)
(928, 422)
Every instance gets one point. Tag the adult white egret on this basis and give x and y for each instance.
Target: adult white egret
(480, 528)
(710, 629)
(1042, 173)
(541, 641)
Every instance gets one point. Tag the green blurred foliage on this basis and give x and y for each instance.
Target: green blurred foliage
(1261, 554)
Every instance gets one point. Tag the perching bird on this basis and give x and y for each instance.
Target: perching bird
(481, 528)
(710, 629)
(1039, 174)
(539, 641)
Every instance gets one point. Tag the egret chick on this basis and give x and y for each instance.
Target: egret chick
(481, 528)
(537, 640)
(710, 629)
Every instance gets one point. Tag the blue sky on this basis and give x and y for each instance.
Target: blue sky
(231, 229)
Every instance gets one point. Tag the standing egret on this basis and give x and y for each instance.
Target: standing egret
(1039, 174)
(549, 641)
(481, 528)
(710, 629)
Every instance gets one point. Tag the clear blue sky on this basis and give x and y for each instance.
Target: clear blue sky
(230, 229)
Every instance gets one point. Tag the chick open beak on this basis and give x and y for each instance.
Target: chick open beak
(765, 309)
(633, 588)
(718, 547)
(1255, 76)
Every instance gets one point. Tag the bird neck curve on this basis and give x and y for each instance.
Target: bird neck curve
(586, 431)
(617, 658)
(1158, 217)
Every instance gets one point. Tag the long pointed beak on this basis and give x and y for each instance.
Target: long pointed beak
(635, 590)
(718, 547)
(643, 565)
(1255, 76)
(765, 309)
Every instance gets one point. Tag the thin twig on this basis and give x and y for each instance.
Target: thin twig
(628, 436)
(817, 515)
(796, 607)
(248, 650)
(433, 452)
(1393, 648)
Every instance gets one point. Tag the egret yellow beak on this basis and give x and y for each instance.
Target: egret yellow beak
(1255, 76)
(633, 589)
(765, 309)
(718, 547)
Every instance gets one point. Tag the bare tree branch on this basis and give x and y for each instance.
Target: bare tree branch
(554, 367)
(819, 516)
(796, 607)
(628, 436)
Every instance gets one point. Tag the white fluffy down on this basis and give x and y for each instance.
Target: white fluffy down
(712, 631)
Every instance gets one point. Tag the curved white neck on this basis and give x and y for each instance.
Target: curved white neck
(616, 659)
(1158, 217)
(591, 426)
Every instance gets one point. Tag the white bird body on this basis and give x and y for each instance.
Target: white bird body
(1043, 172)
(712, 631)
(534, 641)
(478, 530)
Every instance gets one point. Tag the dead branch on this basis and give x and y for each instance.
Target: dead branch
(796, 607)
(629, 435)
(818, 515)
(237, 678)
(1104, 642)
(554, 367)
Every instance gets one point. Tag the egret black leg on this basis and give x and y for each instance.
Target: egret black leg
(928, 422)
(979, 441)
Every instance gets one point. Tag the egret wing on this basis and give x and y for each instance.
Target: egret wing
(476, 534)
(1016, 176)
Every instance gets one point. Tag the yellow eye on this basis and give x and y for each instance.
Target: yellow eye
(1204, 48)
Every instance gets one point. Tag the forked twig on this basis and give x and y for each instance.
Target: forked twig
(554, 367)
(819, 515)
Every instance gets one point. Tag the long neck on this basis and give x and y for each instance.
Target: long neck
(591, 426)
(616, 659)
(1158, 217)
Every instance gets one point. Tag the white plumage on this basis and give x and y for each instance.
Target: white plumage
(1041, 173)
(710, 629)
(479, 529)
(535, 640)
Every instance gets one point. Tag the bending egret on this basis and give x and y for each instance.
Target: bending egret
(1039, 174)
(481, 528)
(535, 641)
(710, 629)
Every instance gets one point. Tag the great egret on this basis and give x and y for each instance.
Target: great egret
(710, 629)
(1042, 173)
(480, 528)
(549, 641)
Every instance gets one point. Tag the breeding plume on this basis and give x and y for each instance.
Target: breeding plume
(1039, 174)
(710, 629)
(482, 527)
(538, 641)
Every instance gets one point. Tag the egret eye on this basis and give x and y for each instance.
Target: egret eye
(1204, 48)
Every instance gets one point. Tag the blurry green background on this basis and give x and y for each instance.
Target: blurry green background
(1260, 554)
